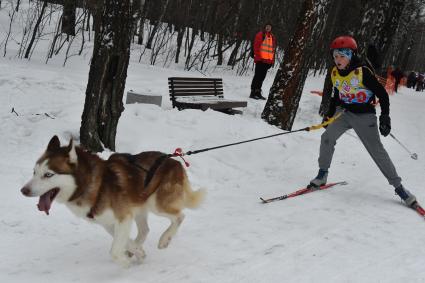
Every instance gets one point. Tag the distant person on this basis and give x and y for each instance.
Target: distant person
(398, 75)
(420, 83)
(354, 90)
(264, 51)
(411, 80)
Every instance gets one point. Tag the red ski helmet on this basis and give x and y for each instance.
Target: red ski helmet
(344, 41)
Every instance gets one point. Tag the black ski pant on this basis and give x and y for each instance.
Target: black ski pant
(259, 75)
(397, 82)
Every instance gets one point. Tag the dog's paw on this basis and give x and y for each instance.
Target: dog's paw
(139, 254)
(164, 242)
(123, 260)
(135, 250)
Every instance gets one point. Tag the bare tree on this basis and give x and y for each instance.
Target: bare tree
(12, 18)
(34, 33)
(157, 22)
(233, 24)
(108, 72)
(69, 17)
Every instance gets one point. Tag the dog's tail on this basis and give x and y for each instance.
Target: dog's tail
(193, 198)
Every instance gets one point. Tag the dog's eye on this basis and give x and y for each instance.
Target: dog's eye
(48, 175)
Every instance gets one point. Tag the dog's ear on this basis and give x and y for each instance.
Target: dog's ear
(54, 144)
(73, 158)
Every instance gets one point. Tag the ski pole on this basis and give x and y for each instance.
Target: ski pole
(412, 155)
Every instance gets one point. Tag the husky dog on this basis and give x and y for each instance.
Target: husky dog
(114, 192)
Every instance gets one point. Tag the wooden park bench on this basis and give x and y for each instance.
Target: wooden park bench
(201, 93)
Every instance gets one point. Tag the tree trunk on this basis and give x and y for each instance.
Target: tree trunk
(37, 25)
(285, 93)
(180, 34)
(141, 31)
(220, 50)
(379, 24)
(152, 35)
(108, 73)
(401, 38)
(233, 55)
(157, 23)
(9, 32)
(189, 51)
(144, 4)
(68, 17)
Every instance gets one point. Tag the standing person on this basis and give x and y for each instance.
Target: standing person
(398, 75)
(264, 56)
(354, 90)
(420, 83)
(411, 80)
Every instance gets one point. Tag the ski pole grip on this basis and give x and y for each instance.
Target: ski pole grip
(329, 121)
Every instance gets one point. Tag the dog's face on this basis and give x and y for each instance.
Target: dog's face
(53, 175)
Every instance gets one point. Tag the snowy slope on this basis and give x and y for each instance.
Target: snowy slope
(354, 233)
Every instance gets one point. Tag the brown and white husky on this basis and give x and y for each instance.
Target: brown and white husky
(114, 192)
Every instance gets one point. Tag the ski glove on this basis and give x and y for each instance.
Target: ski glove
(385, 125)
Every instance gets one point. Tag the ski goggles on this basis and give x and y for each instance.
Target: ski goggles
(346, 52)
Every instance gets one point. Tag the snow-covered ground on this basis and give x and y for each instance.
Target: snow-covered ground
(354, 233)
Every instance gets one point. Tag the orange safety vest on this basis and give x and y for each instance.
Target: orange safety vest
(266, 48)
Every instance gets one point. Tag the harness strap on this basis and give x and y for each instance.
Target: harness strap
(155, 167)
(149, 175)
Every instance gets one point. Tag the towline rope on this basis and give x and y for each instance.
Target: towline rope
(179, 152)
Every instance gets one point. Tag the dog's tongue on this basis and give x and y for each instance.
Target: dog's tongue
(45, 202)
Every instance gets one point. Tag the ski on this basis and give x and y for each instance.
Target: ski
(302, 191)
(419, 209)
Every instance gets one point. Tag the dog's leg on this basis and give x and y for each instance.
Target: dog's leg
(119, 243)
(166, 237)
(142, 227)
(135, 247)
(132, 247)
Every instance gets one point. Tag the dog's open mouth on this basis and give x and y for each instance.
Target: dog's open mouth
(45, 201)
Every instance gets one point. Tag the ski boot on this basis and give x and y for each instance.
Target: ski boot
(320, 180)
(408, 198)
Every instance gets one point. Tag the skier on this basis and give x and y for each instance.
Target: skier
(264, 50)
(354, 91)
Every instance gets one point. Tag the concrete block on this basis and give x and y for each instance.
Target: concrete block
(133, 97)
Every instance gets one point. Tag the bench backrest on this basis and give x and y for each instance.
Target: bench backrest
(179, 86)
